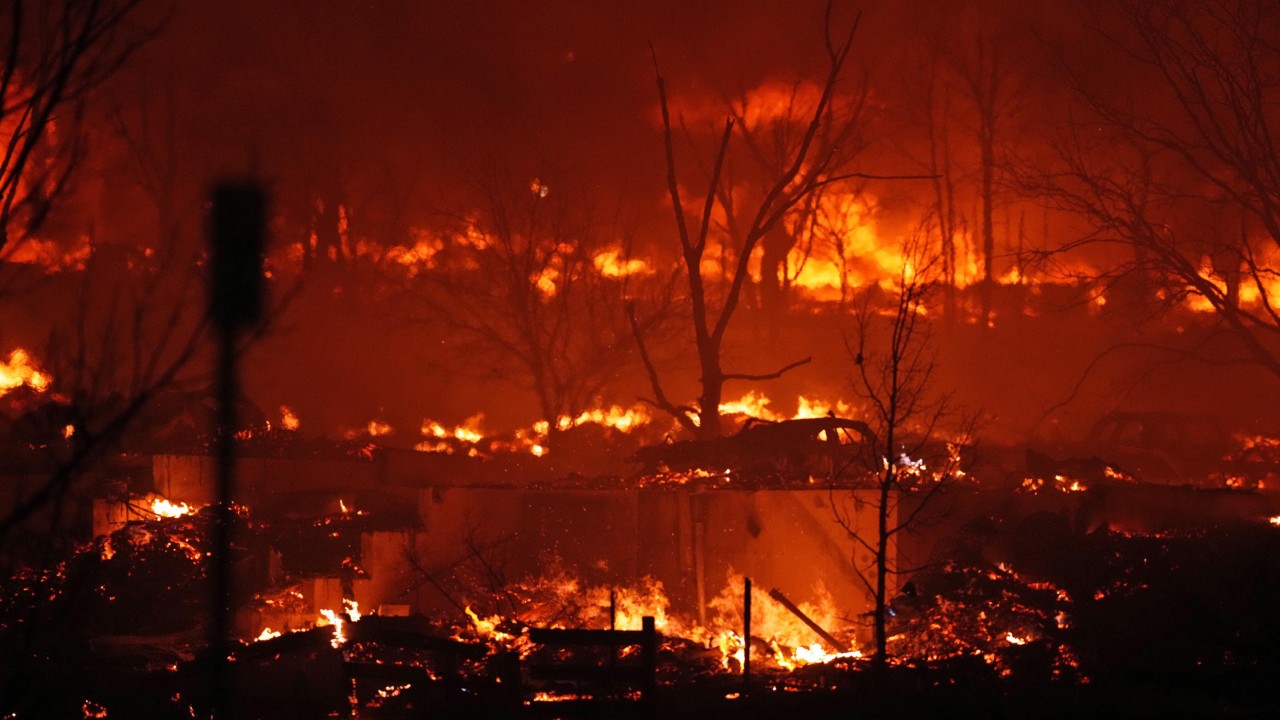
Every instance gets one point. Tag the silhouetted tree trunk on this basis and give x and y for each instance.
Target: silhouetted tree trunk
(989, 87)
(893, 368)
(944, 201)
(803, 172)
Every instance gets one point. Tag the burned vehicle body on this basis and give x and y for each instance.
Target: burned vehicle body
(1151, 447)
(799, 446)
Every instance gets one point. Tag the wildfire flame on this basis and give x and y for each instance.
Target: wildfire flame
(753, 404)
(20, 369)
(758, 405)
(471, 429)
(52, 255)
(419, 256)
(288, 420)
(560, 599)
(351, 610)
(467, 437)
(373, 429)
(790, 640)
(163, 507)
(617, 417)
(487, 628)
(1061, 483)
(612, 264)
(337, 621)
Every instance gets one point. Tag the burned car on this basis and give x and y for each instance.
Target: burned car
(1162, 448)
(804, 446)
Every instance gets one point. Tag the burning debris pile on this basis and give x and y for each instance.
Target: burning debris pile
(132, 604)
(144, 579)
(690, 649)
(1017, 627)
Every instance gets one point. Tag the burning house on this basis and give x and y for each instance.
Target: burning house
(668, 361)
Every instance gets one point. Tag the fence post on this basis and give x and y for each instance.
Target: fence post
(649, 655)
(746, 634)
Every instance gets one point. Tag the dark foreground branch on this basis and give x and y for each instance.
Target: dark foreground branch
(770, 376)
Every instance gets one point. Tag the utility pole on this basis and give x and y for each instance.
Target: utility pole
(235, 304)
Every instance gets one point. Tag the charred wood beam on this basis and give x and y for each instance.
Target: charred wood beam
(827, 637)
(613, 638)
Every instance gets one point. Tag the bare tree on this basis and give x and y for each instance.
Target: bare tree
(771, 142)
(993, 90)
(908, 461)
(524, 282)
(805, 169)
(938, 118)
(1186, 184)
(57, 53)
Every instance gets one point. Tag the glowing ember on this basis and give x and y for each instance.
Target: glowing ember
(1061, 483)
(391, 691)
(1274, 520)
(21, 370)
(543, 696)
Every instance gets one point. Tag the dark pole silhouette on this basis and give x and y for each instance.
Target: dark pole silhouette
(746, 635)
(239, 218)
